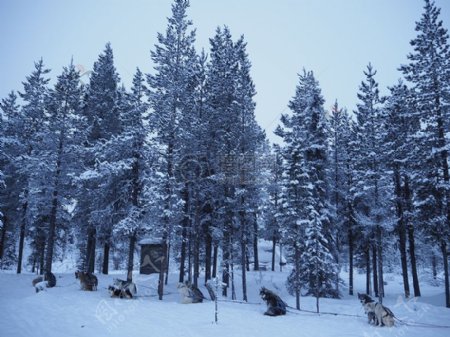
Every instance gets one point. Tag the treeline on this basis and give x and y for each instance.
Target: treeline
(179, 158)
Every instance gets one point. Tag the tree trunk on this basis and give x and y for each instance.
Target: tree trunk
(22, 233)
(274, 246)
(189, 255)
(380, 265)
(281, 257)
(167, 263)
(131, 257)
(185, 224)
(297, 277)
(215, 255)
(208, 252)
(350, 260)
(255, 243)
(243, 264)
(368, 271)
(375, 269)
(42, 256)
(434, 265)
(163, 266)
(106, 249)
(401, 230)
(90, 250)
(3, 236)
(446, 275)
(196, 258)
(226, 263)
(54, 209)
(411, 241)
(233, 288)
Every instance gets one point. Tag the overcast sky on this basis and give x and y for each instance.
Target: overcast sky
(334, 38)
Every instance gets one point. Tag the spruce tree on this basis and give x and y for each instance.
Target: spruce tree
(61, 149)
(31, 135)
(101, 110)
(371, 184)
(305, 204)
(170, 95)
(427, 71)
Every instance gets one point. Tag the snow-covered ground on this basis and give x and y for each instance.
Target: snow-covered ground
(67, 311)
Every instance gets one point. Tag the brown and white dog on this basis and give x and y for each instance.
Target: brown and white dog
(88, 281)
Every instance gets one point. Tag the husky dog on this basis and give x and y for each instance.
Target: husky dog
(49, 281)
(275, 305)
(122, 289)
(88, 281)
(190, 293)
(376, 312)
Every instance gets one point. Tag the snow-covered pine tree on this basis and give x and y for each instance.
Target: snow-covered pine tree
(370, 188)
(223, 131)
(319, 269)
(60, 150)
(131, 167)
(341, 183)
(272, 226)
(103, 118)
(30, 135)
(170, 97)
(12, 181)
(305, 203)
(428, 72)
(235, 140)
(402, 124)
(251, 139)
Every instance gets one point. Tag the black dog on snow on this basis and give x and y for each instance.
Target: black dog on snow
(275, 305)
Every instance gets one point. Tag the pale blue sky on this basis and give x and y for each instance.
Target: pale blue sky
(334, 38)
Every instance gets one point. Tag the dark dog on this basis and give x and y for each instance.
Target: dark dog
(275, 305)
(88, 281)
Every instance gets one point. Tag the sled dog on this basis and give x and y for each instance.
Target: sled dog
(275, 305)
(190, 293)
(88, 281)
(49, 281)
(122, 289)
(376, 312)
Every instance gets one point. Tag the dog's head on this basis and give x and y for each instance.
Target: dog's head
(266, 294)
(263, 293)
(364, 298)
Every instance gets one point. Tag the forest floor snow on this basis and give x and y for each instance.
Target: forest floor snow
(67, 311)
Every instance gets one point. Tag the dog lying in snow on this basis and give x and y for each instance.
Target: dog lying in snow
(376, 312)
(275, 305)
(190, 293)
(48, 281)
(122, 289)
(88, 281)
